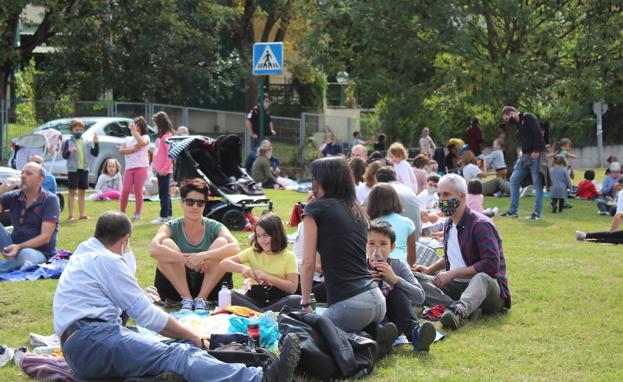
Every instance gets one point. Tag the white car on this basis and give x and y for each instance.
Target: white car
(111, 132)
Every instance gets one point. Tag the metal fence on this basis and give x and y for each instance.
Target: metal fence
(297, 139)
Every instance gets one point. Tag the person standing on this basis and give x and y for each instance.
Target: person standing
(78, 154)
(427, 145)
(533, 160)
(473, 137)
(252, 122)
(163, 165)
(135, 149)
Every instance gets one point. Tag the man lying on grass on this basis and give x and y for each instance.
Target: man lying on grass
(474, 278)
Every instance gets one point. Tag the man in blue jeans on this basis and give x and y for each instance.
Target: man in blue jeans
(533, 160)
(34, 217)
(97, 285)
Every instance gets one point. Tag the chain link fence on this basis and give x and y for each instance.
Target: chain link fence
(296, 141)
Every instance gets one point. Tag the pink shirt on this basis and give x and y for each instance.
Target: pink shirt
(139, 158)
(475, 202)
(420, 176)
(161, 163)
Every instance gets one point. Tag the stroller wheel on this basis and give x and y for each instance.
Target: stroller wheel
(234, 219)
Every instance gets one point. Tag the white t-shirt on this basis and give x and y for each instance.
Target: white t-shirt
(405, 175)
(428, 201)
(620, 202)
(139, 158)
(454, 251)
(361, 191)
(470, 171)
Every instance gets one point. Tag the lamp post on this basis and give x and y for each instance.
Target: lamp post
(342, 79)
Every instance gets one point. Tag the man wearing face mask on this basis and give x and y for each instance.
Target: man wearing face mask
(97, 285)
(253, 123)
(474, 276)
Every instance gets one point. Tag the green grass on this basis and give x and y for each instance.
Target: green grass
(565, 323)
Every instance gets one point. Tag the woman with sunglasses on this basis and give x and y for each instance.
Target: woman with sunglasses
(270, 266)
(188, 251)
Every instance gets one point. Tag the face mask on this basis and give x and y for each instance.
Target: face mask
(77, 135)
(449, 206)
(431, 190)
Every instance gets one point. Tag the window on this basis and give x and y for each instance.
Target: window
(117, 129)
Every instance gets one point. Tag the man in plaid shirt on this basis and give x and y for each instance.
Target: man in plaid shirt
(475, 277)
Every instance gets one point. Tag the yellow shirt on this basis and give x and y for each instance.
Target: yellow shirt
(279, 264)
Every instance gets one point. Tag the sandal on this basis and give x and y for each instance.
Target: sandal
(71, 219)
(85, 217)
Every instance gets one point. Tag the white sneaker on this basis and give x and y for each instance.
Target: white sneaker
(495, 211)
(136, 217)
(19, 354)
(6, 355)
(159, 221)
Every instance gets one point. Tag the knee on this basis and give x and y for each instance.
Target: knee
(218, 243)
(169, 243)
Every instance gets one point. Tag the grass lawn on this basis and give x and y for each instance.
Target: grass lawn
(566, 322)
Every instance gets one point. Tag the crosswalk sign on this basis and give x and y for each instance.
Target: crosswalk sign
(267, 58)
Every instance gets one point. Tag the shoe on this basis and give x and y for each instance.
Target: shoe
(18, 355)
(159, 221)
(6, 354)
(386, 334)
(510, 214)
(534, 217)
(525, 191)
(136, 217)
(187, 305)
(71, 219)
(580, 236)
(434, 313)
(164, 377)
(282, 370)
(451, 320)
(200, 305)
(554, 209)
(84, 217)
(423, 337)
(602, 213)
(495, 211)
(567, 206)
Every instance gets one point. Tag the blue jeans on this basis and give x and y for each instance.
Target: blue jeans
(519, 173)
(165, 198)
(27, 254)
(357, 312)
(107, 350)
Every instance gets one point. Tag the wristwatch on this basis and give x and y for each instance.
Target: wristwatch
(305, 305)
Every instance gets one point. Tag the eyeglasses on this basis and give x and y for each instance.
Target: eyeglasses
(191, 202)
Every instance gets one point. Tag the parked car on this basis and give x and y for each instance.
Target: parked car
(111, 133)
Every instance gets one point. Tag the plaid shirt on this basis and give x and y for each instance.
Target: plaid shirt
(481, 247)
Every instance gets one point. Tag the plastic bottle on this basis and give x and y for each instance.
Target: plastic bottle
(312, 301)
(224, 297)
(377, 257)
(45, 349)
(253, 331)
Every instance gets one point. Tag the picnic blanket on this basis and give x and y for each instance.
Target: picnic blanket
(52, 269)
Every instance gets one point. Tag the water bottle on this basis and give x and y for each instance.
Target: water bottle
(312, 301)
(377, 257)
(253, 331)
(224, 297)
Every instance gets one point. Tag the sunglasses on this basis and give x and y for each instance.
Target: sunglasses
(191, 202)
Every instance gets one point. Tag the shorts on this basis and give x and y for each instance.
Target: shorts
(194, 280)
(78, 179)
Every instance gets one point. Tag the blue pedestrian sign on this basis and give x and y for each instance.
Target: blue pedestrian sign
(267, 58)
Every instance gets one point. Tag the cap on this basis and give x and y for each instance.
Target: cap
(615, 167)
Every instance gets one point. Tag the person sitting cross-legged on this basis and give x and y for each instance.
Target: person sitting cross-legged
(97, 285)
(35, 213)
(400, 287)
(475, 277)
(188, 251)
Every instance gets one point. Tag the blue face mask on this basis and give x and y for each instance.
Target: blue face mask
(77, 135)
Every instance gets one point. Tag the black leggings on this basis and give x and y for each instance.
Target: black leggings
(614, 237)
(293, 300)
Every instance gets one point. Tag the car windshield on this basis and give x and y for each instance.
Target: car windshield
(63, 126)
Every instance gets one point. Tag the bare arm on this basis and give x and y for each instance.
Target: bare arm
(288, 285)
(230, 249)
(411, 253)
(309, 257)
(47, 230)
(162, 253)
(175, 330)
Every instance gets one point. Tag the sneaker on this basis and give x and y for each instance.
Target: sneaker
(603, 213)
(534, 217)
(451, 320)
(158, 221)
(580, 236)
(136, 217)
(187, 305)
(6, 354)
(423, 337)
(200, 305)
(567, 206)
(164, 377)
(495, 211)
(282, 369)
(510, 214)
(18, 355)
(386, 334)
(554, 209)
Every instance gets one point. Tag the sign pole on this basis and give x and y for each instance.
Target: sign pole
(261, 108)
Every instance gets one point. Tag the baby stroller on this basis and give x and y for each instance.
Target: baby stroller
(218, 163)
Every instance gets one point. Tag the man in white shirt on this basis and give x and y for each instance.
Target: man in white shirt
(97, 285)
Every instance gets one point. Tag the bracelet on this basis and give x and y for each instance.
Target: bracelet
(306, 305)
